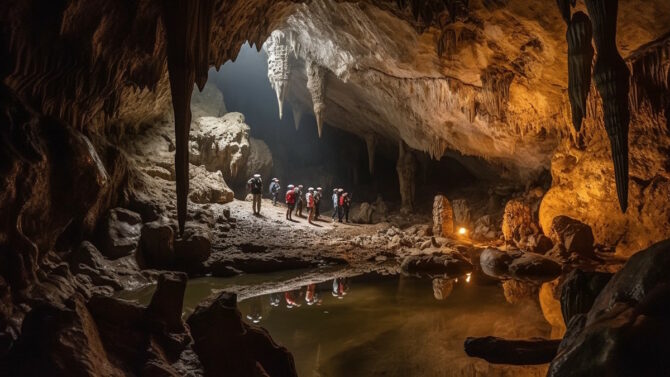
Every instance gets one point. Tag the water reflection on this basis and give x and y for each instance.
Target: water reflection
(394, 326)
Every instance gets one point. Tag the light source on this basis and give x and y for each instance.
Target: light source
(462, 231)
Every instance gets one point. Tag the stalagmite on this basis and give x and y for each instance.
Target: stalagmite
(316, 84)
(580, 57)
(187, 28)
(406, 169)
(611, 76)
(371, 143)
(297, 116)
(279, 70)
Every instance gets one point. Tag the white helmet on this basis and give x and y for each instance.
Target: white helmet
(318, 189)
(257, 175)
(310, 189)
(291, 186)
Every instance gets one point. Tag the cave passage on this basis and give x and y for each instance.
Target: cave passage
(330, 188)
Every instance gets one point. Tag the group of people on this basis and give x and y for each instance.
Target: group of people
(297, 199)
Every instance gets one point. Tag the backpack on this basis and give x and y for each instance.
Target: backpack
(255, 184)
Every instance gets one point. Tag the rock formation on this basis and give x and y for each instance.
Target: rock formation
(443, 217)
(406, 169)
(316, 84)
(279, 70)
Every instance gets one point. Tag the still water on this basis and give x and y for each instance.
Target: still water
(374, 325)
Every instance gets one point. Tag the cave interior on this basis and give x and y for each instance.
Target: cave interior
(507, 164)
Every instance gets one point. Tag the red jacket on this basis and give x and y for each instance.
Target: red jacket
(290, 197)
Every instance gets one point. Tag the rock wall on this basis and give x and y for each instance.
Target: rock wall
(583, 177)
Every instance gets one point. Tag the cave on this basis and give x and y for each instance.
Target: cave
(334, 188)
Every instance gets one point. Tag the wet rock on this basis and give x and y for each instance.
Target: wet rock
(519, 265)
(194, 246)
(443, 216)
(579, 290)
(120, 233)
(87, 260)
(60, 340)
(226, 345)
(517, 291)
(539, 243)
(157, 244)
(625, 333)
(164, 313)
(512, 351)
(517, 221)
(575, 236)
(450, 264)
(442, 288)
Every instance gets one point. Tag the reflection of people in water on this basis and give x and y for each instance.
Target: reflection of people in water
(275, 299)
(442, 288)
(311, 296)
(255, 309)
(291, 298)
(340, 287)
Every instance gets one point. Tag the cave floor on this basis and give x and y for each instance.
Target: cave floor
(285, 244)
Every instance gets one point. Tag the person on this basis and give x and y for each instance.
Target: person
(299, 203)
(317, 202)
(309, 199)
(255, 185)
(274, 190)
(346, 206)
(290, 202)
(335, 199)
(340, 204)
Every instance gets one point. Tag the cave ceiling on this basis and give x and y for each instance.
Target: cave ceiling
(485, 78)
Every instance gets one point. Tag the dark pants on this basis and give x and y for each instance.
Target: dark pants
(317, 210)
(335, 212)
(346, 213)
(340, 212)
(274, 198)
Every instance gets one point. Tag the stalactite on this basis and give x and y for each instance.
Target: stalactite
(371, 143)
(187, 29)
(297, 116)
(564, 7)
(650, 76)
(495, 91)
(279, 70)
(316, 84)
(611, 76)
(580, 58)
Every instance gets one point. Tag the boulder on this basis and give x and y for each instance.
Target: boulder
(208, 187)
(625, 332)
(379, 211)
(220, 143)
(119, 233)
(157, 244)
(60, 340)
(517, 221)
(443, 216)
(362, 213)
(519, 265)
(575, 236)
(87, 260)
(579, 290)
(512, 351)
(450, 264)
(208, 103)
(226, 345)
(539, 243)
(194, 246)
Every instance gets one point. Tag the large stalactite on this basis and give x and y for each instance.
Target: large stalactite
(611, 76)
(580, 58)
(187, 27)
(316, 84)
(279, 70)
